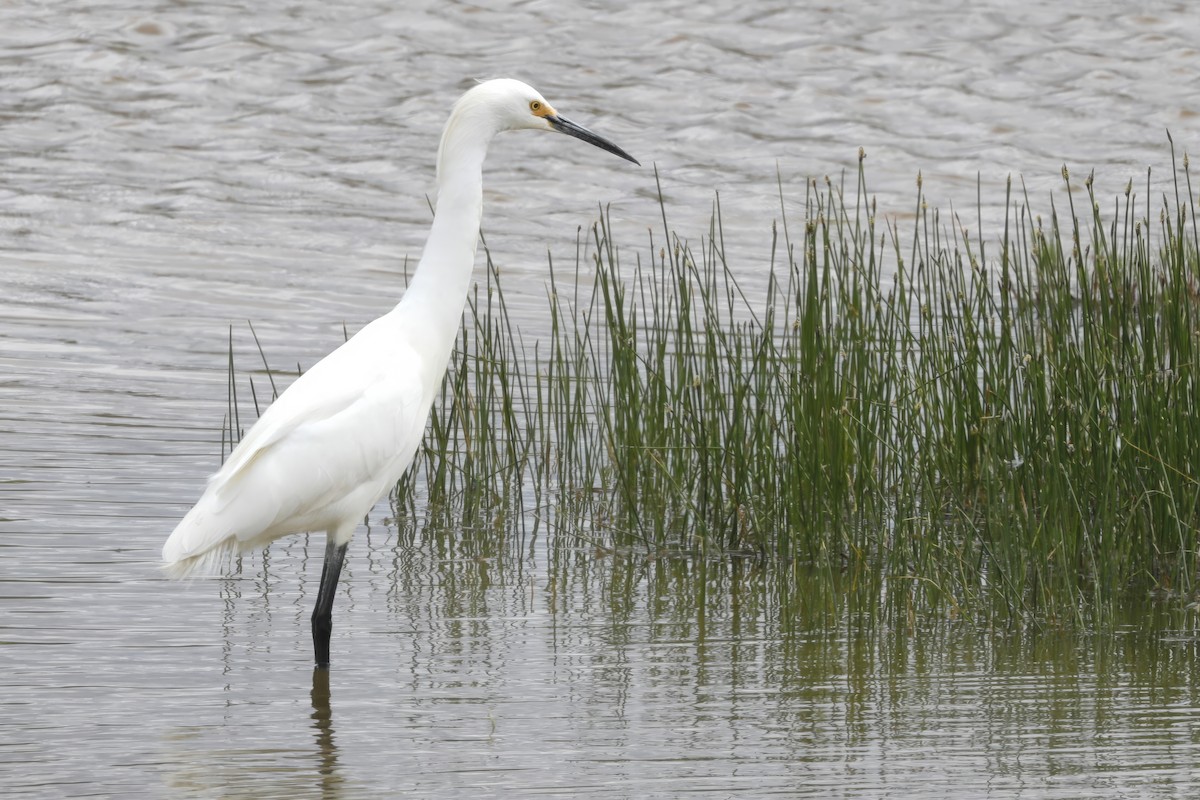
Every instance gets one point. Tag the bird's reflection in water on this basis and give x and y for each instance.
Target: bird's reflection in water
(322, 717)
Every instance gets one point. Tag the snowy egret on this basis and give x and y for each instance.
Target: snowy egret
(338, 439)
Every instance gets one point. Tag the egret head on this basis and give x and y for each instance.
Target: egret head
(518, 106)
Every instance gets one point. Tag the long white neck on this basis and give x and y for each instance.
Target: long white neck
(438, 290)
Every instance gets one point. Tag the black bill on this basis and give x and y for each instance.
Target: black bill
(564, 125)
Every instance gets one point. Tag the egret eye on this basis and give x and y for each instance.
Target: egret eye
(535, 106)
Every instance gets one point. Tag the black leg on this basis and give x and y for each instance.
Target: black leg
(322, 618)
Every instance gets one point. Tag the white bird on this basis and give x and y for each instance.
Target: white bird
(341, 436)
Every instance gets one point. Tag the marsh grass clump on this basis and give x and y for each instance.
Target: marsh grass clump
(921, 417)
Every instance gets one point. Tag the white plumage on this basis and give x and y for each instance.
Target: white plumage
(321, 455)
(340, 437)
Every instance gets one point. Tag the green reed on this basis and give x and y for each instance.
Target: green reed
(925, 418)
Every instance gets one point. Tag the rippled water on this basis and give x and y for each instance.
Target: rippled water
(169, 169)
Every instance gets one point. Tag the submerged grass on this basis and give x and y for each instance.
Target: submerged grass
(923, 419)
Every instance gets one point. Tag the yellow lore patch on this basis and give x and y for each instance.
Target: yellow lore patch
(540, 108)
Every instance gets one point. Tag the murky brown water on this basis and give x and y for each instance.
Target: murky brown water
(167, 169)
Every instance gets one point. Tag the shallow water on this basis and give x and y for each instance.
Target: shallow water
(168, 170)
